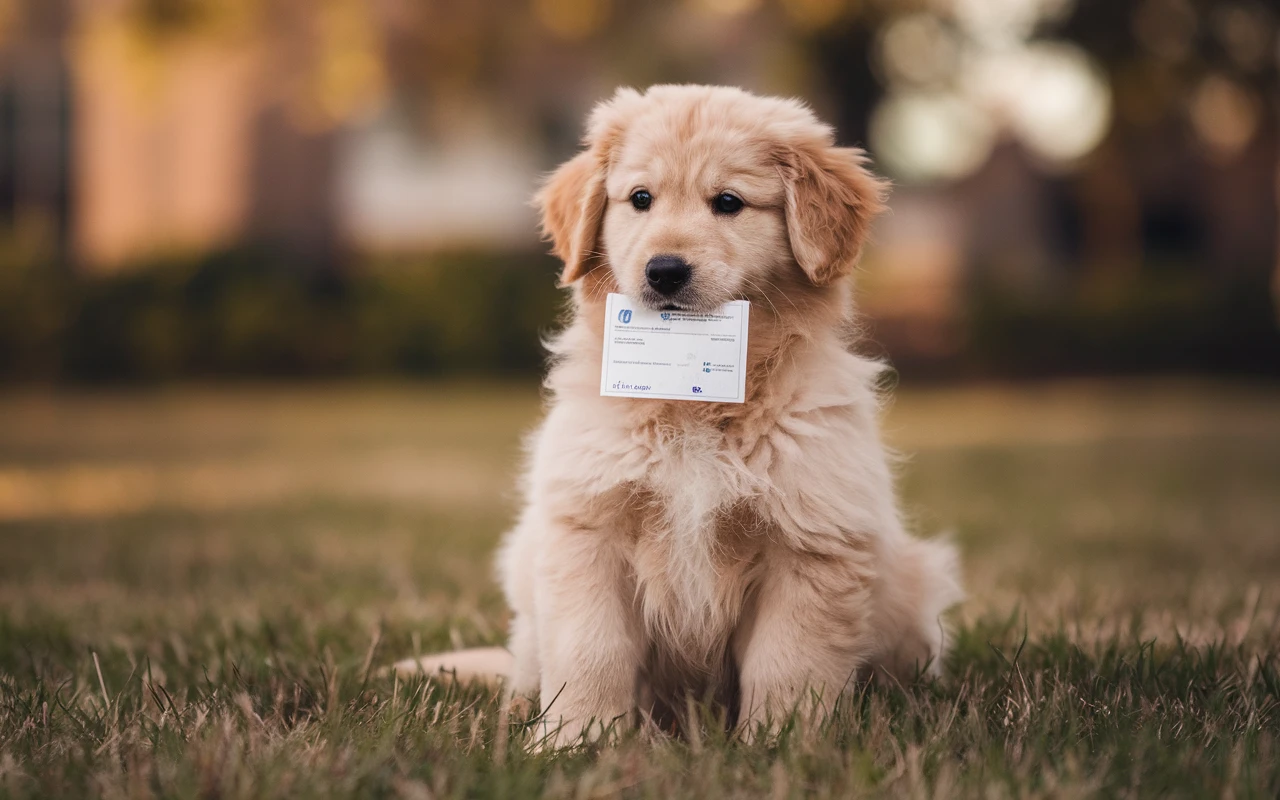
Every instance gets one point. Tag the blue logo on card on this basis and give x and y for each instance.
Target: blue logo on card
(624, 316)
(666, 315)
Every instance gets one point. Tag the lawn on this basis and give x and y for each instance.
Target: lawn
(199, 586)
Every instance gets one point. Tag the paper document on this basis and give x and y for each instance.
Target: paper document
(675, 355)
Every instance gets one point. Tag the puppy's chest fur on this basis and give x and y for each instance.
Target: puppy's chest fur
(695, 537)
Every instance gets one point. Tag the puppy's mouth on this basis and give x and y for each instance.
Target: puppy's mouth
(693, 305)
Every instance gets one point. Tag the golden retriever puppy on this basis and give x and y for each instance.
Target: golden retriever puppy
(751, 554)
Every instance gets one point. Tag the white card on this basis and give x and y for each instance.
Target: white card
(675, 355)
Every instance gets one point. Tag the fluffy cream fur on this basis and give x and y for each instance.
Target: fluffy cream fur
(751, 554)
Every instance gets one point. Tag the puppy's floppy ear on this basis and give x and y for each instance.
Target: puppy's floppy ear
(573, 199)
(831, 199)
(572, 203)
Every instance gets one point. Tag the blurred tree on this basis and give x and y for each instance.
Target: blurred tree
(35, 121)
(1206, 66)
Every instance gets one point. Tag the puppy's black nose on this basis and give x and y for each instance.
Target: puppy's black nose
(666, 274)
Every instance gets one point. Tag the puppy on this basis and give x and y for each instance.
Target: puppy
(749, 554)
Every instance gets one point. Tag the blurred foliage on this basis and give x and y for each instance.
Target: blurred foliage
(258, 313)
(252, 313)
(1153, 325)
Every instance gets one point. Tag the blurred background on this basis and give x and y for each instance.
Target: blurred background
(206, 188)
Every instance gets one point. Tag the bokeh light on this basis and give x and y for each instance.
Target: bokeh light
(1000, 23)
(1051, 95)
(1224, 115)
(918, 49)
(1247, 32)
(572, 19)
(931, 136)
(1166, 28)
(958, 82)
(814, 14)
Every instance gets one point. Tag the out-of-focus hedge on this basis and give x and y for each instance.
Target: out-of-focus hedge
(1162, 323)
(254, 314)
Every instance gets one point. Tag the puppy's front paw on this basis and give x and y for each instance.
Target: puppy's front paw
(520, 706)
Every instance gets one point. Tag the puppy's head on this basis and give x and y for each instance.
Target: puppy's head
(691, 196)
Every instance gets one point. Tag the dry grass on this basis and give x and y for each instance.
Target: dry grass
(197, 586)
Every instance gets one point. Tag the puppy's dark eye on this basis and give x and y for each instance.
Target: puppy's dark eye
(725, 203)
(641, 199)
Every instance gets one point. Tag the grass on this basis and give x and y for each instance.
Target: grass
(198, 586)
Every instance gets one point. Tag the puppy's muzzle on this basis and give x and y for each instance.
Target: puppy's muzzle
(667, 274)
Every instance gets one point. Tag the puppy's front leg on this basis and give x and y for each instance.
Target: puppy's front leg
(802, 638)
(589, 634)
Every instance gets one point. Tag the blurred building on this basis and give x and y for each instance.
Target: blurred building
(134, 149)
(167, 160)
